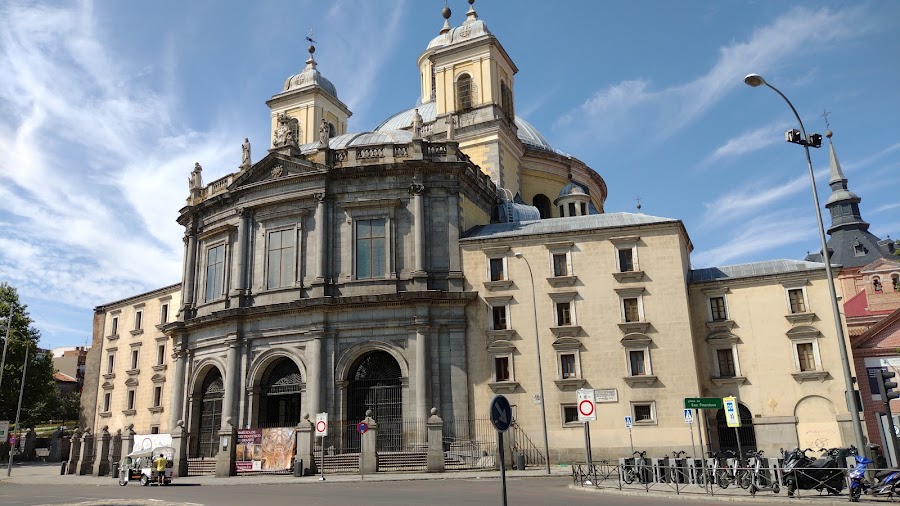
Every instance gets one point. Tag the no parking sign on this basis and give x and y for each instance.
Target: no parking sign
(587, 409)
(321, 424)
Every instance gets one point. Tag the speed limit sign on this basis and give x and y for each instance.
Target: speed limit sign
(587, 409)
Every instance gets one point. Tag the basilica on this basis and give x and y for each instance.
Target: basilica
(449, 255)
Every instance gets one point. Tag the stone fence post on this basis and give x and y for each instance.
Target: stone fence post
(101, 462)
(306, 440)
(56, 446)
(368, 462)
(128, 440)
(435, 443)
(30, 436)
(115, 447)
(225, 459)
(179, 442)
(74, 451)
(86, 461)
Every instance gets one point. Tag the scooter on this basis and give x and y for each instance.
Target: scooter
(887, 481)
(824, 473)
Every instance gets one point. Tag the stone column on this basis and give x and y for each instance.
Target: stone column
(321, 237)
(179, 442)
(115, 447)
(231, 377)
(101, 462)
(176, 402)
(306, 441)
(417, 190)
(128, 440)
(423, 372)
(225, 459)
(56, 446)
(314, 374)
(240, 268)
(74, 452)
(187, 291)
(435, 443)
(29, 444)
(86, 461)
(368, 461)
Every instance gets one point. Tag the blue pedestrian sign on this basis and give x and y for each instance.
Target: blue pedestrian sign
(688, 416)
(629, 422)
(501, 413)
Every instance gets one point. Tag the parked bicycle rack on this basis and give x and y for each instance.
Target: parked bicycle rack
(660, 468)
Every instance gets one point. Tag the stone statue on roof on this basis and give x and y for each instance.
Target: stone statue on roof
(287, 132)
(195, 181)
(245, 153)
(417, 124)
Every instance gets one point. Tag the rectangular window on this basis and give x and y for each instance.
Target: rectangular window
(370, 248)
(570, 414)
(157, 396)
(110, 363)
(717, 309)
(281, 259)
(164, 314)
(130, 399)
(138, 319)
(643, 413)
(563, 313)
(115, 326)
(561, 213)
(630, 306)
(806, 357)
(215, 272)
(583, 209)
(497, 272)
(560, 265)
(107, 398)
(161, 354)
(567, 366)
(501, 368)
(499, 317)
(626, 260)
(154, 429)
(134, 358)
(726, 363)
(636, 358)
(572, 209)
(798, 303)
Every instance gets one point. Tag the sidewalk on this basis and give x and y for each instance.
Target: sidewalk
(48, 474)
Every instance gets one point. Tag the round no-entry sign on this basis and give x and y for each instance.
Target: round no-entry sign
(586, 408)
(322, 424)
(362, 427)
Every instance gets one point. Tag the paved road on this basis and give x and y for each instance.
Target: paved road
(458, 492)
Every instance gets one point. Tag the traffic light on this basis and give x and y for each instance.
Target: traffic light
(886, 385)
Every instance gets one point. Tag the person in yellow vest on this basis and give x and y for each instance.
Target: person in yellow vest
(160, 463)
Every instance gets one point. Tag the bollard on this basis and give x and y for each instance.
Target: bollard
(115, 469)
(298, 468)
(520, 461)
(62, 468)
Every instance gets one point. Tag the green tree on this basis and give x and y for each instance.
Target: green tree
(40, 392)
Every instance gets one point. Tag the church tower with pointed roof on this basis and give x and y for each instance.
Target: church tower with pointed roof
(851, 244)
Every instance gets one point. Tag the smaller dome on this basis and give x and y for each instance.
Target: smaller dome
(468, 30)
(840, 195)
(309, 77)
(572, 188)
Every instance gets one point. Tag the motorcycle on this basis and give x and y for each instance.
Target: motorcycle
(805, 473)
(887, 481)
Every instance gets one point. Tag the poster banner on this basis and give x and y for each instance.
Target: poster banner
(145, 442)
(269, 450)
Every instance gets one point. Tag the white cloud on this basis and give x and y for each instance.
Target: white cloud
(634, 105)
(95, 162)
(759, 235)
(747, 142)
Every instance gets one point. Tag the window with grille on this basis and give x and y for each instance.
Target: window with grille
(281, 259)
(464, 92)
(563, 313)
(570, 414)
(726, 363)
(626, 260)
(567, 366)
(501, 368)
(806, 357)
(643, 413)
(499, 317)
(215, 272)
(717, 309)
(636, 358)
(560, 264)
(798, 302)
(630, 307)
(497, 272)
(370, 248)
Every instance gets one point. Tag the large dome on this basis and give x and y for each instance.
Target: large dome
(403, 120)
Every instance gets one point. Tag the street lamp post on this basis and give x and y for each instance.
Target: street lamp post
(755, 80)
(5, 342)
(537, 344)
(19, 409)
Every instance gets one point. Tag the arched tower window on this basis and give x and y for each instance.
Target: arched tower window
(542, 203)
(464, 92)
(506, 103)
(876, 284)
(895, 280)
(331, 130)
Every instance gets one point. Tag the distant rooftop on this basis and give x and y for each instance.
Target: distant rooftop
(557, 225)
(751, 270)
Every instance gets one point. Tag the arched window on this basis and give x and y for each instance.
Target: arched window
(542, 203)
(506, 103)
(464, 92)
(876, 284)
(331, 130)
(895, 280)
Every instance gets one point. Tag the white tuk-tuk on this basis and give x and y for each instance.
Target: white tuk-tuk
(140, 465)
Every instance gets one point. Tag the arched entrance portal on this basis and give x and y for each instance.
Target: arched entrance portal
(279, 400)
(727, 437)
(211, 413)
(375, 383)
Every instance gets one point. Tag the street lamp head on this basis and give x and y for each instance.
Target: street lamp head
(518, 254)
(754, 80)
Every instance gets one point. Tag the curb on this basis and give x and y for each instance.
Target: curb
(764, 497)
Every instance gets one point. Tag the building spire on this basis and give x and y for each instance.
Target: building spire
(311, 62)
(471, 15)
(446, 13)
(837, 175)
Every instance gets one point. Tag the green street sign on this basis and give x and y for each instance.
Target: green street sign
(702, 403)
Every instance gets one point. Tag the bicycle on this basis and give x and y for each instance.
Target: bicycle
(637, 469)
(717, 471)
(678, 473)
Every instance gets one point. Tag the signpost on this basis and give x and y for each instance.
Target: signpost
(4, 430)
(629, 423)
(501, 417)
(361, 427)
(322, 431)
(733, 418)
(587, 413)
(689, 419)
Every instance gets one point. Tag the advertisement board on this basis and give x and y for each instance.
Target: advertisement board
(265, 449)
(144, 442)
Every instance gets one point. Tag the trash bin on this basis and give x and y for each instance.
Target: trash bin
(520, 461)
(298, 467)
(115, 469)
(62, 468)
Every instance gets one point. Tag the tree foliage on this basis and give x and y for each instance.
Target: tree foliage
(41, 395)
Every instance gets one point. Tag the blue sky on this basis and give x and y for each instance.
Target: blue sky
(105, 107)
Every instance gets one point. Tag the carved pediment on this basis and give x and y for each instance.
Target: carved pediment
(501, 346)
(273, 167)
(802, 332)
(636, 340)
